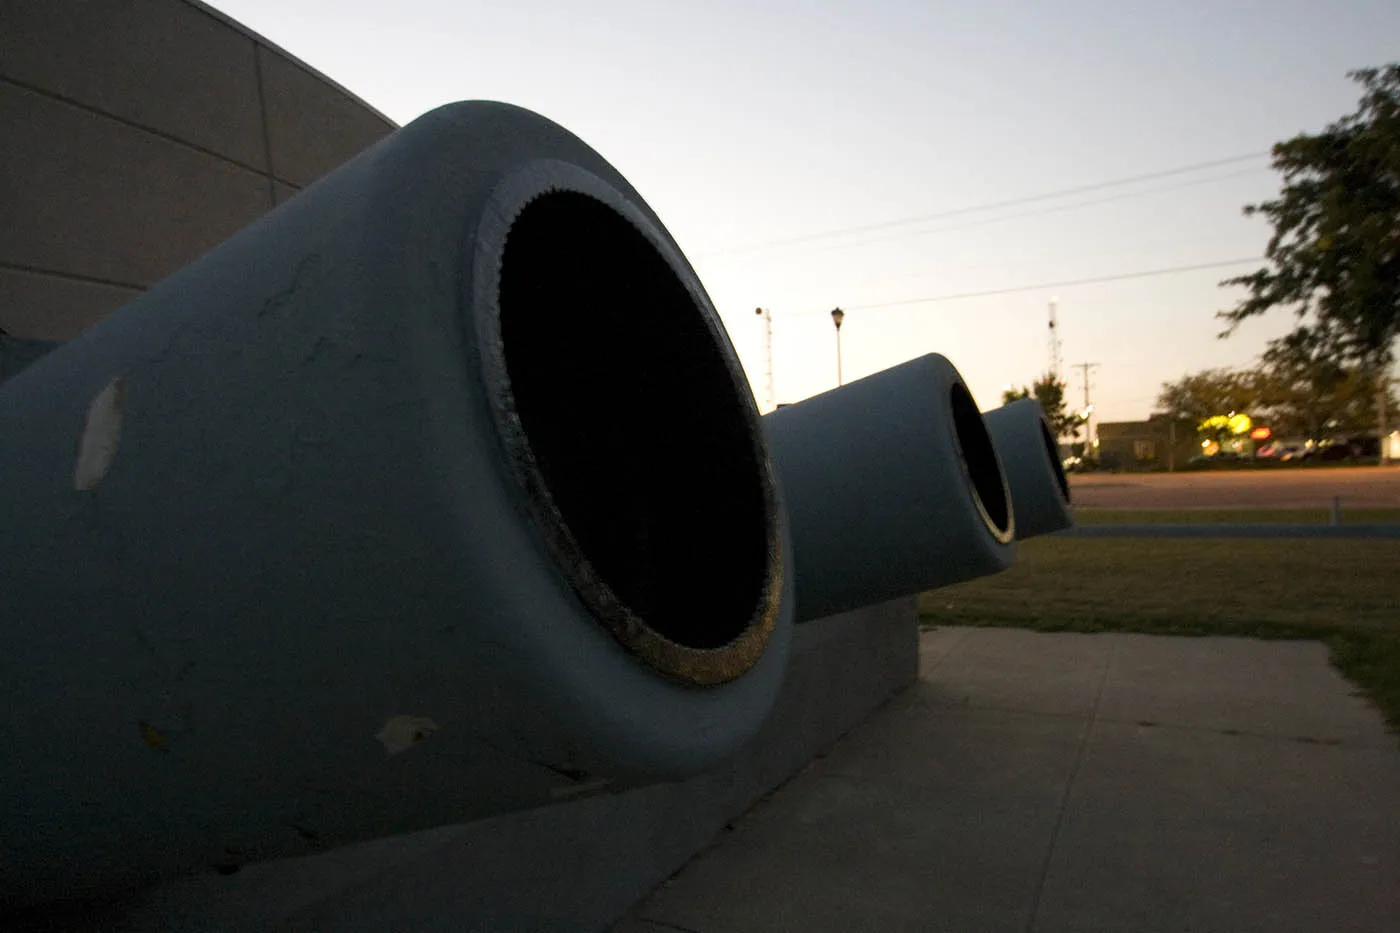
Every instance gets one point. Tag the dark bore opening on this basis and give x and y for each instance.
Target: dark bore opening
(635, 421)
(1052, 451)
(981, 459)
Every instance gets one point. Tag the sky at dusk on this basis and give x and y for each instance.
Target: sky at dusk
(786, 144)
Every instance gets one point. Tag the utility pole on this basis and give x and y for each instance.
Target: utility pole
(768, 355)
(1055, 359)
(1383, 384)
(1086, 368)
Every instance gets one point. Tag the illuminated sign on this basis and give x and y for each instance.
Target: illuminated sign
(1237, 423)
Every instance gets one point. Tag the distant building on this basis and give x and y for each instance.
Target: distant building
(1159, 443)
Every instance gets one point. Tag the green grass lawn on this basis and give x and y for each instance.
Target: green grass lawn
(1345, 593)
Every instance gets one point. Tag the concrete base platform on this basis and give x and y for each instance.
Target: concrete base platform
(1072, 783)
(577, 866)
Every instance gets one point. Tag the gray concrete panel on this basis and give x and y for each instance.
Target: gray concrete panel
(165, 65)
(637, 925)
(1008, 669)
(936, 644)
(283, 192)
(104, 200)
(311, 126)
(1217, 684)
(927, 818)
(52, 307)
(1174, 829)
(971, 816)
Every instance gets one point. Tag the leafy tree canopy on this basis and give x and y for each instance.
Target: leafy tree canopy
(1050, 393)
(1334, 256)
(1205, 394)
(1303, 393)
(1295, 392)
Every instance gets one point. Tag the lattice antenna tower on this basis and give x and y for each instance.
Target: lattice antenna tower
(767, 317)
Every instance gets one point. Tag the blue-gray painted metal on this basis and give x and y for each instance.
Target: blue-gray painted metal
(271, 577)
(888, 487)
(1039, 489)
(1218, 530)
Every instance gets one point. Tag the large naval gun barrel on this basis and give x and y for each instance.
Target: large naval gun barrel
(435, 493)
(1029, 454)
(892, 486)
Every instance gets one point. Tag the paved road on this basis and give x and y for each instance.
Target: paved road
(1035, 782)
(1358, 487)
(1389, 531)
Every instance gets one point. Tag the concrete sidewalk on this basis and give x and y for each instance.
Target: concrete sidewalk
(1075, 782)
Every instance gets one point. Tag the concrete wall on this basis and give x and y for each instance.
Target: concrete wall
(137, 135)
(576, 866)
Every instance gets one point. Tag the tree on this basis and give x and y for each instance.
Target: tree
(1199, 396)
(1294, 391)
(1210, 400)
(1334, 256)
(1012, 394)
(1303, 394)
(1050, 393)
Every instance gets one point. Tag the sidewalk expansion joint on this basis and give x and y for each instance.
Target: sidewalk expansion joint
(1069, 787)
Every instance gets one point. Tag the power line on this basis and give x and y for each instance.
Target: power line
(1019, 215)
(959, 296)
(977, 208)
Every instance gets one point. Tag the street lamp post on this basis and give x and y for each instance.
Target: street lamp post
(1383, 389)
(837, 316)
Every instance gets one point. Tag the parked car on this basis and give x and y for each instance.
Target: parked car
(1332, 450)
